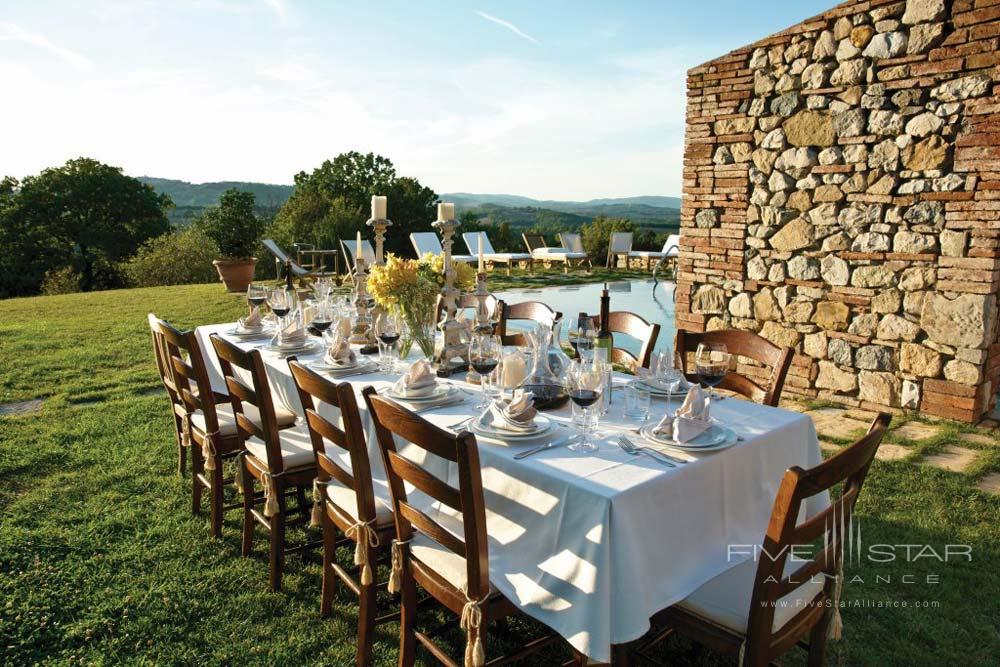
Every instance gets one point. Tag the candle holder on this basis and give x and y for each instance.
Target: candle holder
(363, 333)
(451, 355)
(481, 324)
(379, 225)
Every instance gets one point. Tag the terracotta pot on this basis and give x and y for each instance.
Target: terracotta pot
(236, 274)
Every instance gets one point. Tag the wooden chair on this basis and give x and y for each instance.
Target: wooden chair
(343, 498)
(619, 248)
(755, 612)
(744, 344)
(453, 570)
(534, 311)
(178, 409)
(429, 243)
(573, 242)
(281, 259)
(547, 255)
(636, 326)
(349, 247)
(492, 258)
(211, 423)
(281, 460)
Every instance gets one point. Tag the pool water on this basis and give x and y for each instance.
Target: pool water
(655, 302)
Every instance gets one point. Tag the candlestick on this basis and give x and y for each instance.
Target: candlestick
(451, 355)
(446, 211)
(379, 225)
(482, 266)
(363, 333)
(378, 207)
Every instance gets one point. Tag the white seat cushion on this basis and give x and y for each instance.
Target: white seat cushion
(296, 447)
(725, 600)
(227, 420)
(652, 254)
(347, 499)
(508, 256)
(442, 560)
(464, 258)
(556, 253)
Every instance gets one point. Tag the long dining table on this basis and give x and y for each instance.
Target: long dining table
(592, 544)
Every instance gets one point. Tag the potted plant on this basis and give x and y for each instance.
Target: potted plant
(236, 228)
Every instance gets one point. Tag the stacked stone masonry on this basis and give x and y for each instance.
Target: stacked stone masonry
(842, 196)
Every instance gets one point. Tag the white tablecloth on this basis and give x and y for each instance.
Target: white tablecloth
(592, 544)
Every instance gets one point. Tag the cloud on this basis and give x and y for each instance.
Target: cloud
(280, 8)
(10, 32)
(510, 26)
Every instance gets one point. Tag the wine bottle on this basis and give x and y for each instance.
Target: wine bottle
(605, 341)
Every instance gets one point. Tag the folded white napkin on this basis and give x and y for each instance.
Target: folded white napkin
(340, 354)
(518, 414)
(665, 427)
(253, 321)
(418, 381)
(691, 419)
(294, 332)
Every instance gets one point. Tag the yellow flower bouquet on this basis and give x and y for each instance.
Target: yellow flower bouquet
(409, 288)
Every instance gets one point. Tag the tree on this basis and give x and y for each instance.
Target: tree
(234, 224)
(597, 234)
(334, 201)
(84, 214)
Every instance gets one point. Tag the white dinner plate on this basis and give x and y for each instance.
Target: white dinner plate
(655, 388)
(356, 369)
(713, 438)
(237, 332)
(483, 425)
(440, 393)
(305, 346)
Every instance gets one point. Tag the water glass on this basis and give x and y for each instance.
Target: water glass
(607, 380)
(637, 402)
(492, 384)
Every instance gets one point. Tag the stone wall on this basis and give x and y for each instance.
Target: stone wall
(842, 196)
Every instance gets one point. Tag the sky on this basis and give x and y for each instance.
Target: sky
(554, 100)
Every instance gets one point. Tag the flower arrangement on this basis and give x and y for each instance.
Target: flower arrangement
(409, 288)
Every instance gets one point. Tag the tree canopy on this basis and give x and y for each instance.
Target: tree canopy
(84, 214)
(233, 224)
(334, 201)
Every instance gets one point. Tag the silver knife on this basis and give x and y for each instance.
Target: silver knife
(542, 448)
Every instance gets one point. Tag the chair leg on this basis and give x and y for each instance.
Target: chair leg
(817, 642)
(197, 468)
(509, 268)
(276, 557)
(407, 613)
(248, 520)
(366, 622)
(329, 587)
(181, 449)
(217, 498)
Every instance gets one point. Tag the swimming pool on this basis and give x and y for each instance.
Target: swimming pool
(655, 302)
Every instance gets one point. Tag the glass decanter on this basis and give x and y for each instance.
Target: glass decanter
(548, 388)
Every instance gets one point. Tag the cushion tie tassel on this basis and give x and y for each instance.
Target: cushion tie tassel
(316, 519)
(836, 628)
(270, 495)
(238, 478)
(743, 653)
(396, 574)
(208, 452)
(185, 432)
(362, 533)
(472, 618)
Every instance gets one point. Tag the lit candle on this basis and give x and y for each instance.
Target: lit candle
(446, 211)
(357, 249)
(378, 207)
(481, 263)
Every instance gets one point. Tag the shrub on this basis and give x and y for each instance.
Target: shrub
(178, 258)
(597, 235)
(61, 281)
(234, 224)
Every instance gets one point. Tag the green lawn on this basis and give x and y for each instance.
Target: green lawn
(101, 561)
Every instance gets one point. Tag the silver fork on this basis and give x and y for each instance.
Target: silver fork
(629, 448)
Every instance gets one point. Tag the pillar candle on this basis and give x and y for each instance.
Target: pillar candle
(481, 263)
(446, 211)
(378, 207)
(357, 249)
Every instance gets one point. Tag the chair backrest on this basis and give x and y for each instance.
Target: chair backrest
(671, 248)
(283, 257)
(773, 580)
(535, 311)
(472, 243)
(313, 388)
(190, 374)
(162, 356)
(349, 247)
(636, 326)
(257, 393)
(620, 242)
(426, 242)
(534, 241)
(743, 344)
(571, 241)
(391, 419)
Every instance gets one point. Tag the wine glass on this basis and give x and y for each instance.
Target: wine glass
(256, 295)
(586, 335)
(667, 375)
(280, 303)
(585, 384)
(322, 316)
(711, 362)
(387, 330)
(484, 355)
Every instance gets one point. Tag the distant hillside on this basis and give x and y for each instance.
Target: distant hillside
(200, 195)
(640, 210)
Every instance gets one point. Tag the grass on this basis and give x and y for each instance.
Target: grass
(101, 561)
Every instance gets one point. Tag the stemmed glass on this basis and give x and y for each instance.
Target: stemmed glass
(585, 385)
(667, 375)
(582, 338)
(484, 355)
(387, 329)
(322, 316)
(256, 295)
(711, 362)
(280, 303)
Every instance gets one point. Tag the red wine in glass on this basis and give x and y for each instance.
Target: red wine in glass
(321, 325)
(584, 397)
(388, 338)
(484, 365)
(280, 311)
(257, 301)
(711, 377)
